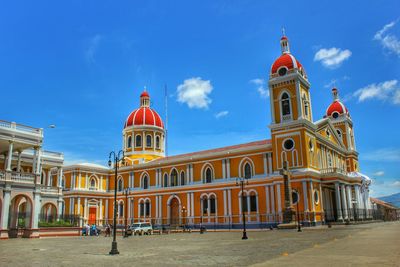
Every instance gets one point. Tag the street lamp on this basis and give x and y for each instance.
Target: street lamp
(184, 217)
(126, 192)
(241, 181)
(116, 158)
(298, 215)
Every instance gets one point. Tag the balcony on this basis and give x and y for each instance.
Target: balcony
(50, 190)
(19, 127)
(23, 177)
(328, 171)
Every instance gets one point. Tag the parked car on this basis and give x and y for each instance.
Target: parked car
(140, 228)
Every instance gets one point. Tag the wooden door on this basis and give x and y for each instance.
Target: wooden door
(174, 211)
(92, 215)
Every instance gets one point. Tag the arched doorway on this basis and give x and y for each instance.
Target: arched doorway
(48, 213)
(174, 211)
(20, 214)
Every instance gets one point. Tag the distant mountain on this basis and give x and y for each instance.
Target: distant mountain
(392, 199)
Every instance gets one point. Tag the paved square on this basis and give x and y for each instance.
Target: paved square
(374, 244)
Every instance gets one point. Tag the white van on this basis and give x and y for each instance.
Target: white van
(141, 228)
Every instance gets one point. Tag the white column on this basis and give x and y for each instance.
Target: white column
(38, 163)
(208, 209)
(267, 202)
(79, 180)
(349, 202)
(59, 207)
(5, 210)
(338, 202)
(305, 198)
(228, 168)
(344, 202)
(278, 193)
(101, 210)
(270, 163)
(9, 157)
(312, 197)
(265, 164)
(36, 210)
(191, 173)
(223, 169)
(85, 208)
(78, 210)
(273, 201)
(49, 178)
(19, 161)
(192, 204)
(34, 159)
(225, 204)
(230, 202)
(161, 213)
(248, 207)
(188, 207)
(86, 181)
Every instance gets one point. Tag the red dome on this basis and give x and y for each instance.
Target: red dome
(284, 38)
(286, 60)
(338, 107)
(144, 116)
(145, 94)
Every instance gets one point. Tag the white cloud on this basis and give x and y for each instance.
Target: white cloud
(389, 41)
(261, 87)
(382, 91)
(378, 173)
(221, 114)
(92, 48)
(332, 83)
(382, 155)
(396, 184)
(332, 57)
(194, 92)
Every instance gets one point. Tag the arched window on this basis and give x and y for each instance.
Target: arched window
(148, 140)
(165, 180)
(174, 178)
(138, 141)
(306, 105)
(247, 171)
(329, 160)
(253, 202)
(129, 145)
(120, 185)
(92, 184)
(141, 209)
(295, 197)
(205, 205)
(212, 205)
(339, 133)
(285, 105)
(121, 209)
(147, 208)
(157, 142)
(145, 184)
(208, 174)
(182, 178)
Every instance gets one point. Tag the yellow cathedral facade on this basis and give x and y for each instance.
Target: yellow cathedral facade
(201, 188)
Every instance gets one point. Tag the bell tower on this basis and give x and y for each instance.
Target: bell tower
(291, 110)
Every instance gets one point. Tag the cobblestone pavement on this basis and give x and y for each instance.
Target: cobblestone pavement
(375, 244)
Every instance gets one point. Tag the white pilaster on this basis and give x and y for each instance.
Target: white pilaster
(278, 193)
(4, 210)
(338, 202)
(344, 202)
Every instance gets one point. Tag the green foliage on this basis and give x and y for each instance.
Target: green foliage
(60, 223)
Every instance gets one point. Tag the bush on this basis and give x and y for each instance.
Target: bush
(60, 223)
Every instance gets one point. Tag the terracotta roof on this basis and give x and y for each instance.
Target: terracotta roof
(216, 150)
(383, 203)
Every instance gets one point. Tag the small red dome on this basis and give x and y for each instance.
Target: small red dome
(145, 94)
(144, 116)
(284, 38)
(338, 107)
(286, 60)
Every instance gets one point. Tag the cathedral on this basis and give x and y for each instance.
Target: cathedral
(202, 188)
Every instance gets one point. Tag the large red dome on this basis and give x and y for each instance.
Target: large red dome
(144, 116)
(285, 60)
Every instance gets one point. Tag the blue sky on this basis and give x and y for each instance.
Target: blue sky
(82, 67)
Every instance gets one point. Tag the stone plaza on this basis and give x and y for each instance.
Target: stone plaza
(373, 244)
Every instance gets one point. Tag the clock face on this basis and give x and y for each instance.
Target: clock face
(335, 115)
(282, 71)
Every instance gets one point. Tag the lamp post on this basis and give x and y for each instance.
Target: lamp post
(241, 181)
(126, 192)
(116, 158)
(298, 216)
(184, 217)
